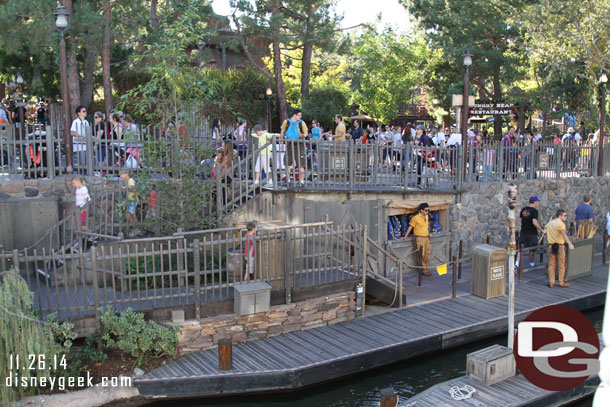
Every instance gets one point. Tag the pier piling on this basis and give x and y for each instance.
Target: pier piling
(225, 354)
(389, 398)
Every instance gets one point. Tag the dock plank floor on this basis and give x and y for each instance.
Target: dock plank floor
(514, 392)
(298, 359)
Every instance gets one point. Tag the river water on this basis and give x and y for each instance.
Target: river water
(362, 390)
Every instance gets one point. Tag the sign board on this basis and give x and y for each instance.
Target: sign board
(543, 161)
(493, 108)
(497, 273)
(456, 100)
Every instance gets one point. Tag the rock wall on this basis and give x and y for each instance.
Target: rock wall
(482, 207)
(280, 319)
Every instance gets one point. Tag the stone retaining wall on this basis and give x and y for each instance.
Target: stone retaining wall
(280, 319)
(482, 209)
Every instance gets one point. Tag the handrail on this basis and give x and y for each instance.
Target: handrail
(249, 158)
(234, 228)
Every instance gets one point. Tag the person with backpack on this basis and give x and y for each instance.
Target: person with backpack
(293, 130)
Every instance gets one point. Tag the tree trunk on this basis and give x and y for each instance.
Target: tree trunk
(544, 116)
(277, 67)
(154, 24)
(73, 79)
(107, 84)
(72, 75)
(497, 97)
(521, 116)
(88, 85)
(306, 68)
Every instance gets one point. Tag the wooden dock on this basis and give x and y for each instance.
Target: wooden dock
(314, 356)
(514, 392)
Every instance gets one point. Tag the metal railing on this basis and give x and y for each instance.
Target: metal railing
(500, 162)
(193, 269)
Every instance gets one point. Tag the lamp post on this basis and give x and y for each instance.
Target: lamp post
(464, 121)
(512, 250)
(603, 79)
(62, 23)
(269, 92)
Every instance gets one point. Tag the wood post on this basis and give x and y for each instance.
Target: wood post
(454, 280)
(460, 255)
(365, 241)
(521, 249)
(420, 270)
(604, 250)
(288, 270)
(400, 284)
(225, 354)
(389, 398)
(197, 277)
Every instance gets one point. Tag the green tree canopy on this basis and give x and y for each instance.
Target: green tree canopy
(385, 68)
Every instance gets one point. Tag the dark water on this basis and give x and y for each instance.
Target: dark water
(407, 378)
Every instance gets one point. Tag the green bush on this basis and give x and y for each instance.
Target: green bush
(132, 334)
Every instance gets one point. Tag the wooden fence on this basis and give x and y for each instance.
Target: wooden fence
(195, 269)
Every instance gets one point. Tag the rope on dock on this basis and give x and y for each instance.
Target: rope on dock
(462, 393)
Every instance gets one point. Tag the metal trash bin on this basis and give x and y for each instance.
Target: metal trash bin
(489, 271)
(251, 298)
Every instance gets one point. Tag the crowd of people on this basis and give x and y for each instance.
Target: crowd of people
(18, 115)
(556, 232)
(420, 148)
(114, 139)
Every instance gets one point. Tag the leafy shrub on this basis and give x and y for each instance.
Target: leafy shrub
(132, 334)
(82, 357)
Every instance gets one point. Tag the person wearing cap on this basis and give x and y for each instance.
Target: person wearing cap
(262, 161)
(420, 226)
(528, 237)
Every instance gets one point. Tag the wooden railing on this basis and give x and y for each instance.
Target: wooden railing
(190, 270)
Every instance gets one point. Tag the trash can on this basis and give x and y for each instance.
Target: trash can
(489, 271)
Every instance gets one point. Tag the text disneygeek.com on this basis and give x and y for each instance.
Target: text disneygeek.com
(62, 383)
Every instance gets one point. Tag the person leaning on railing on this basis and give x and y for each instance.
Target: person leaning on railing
(420, 226)
(293, 130)
(262, 161)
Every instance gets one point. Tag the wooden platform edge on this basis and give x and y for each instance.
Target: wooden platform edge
(293, 379)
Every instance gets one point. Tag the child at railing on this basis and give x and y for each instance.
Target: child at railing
(249, 250)
(82, 197)
(131, 195)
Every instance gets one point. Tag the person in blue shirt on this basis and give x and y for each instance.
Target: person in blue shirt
(293, 130)
(584, 210)
(316, 130)
(316, 135)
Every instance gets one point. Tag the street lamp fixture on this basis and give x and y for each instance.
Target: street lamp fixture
(467, 55)
(62, 18)
(269, 92)
(62, 23)
(467, 58)
(19, 79)
(603, 79)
